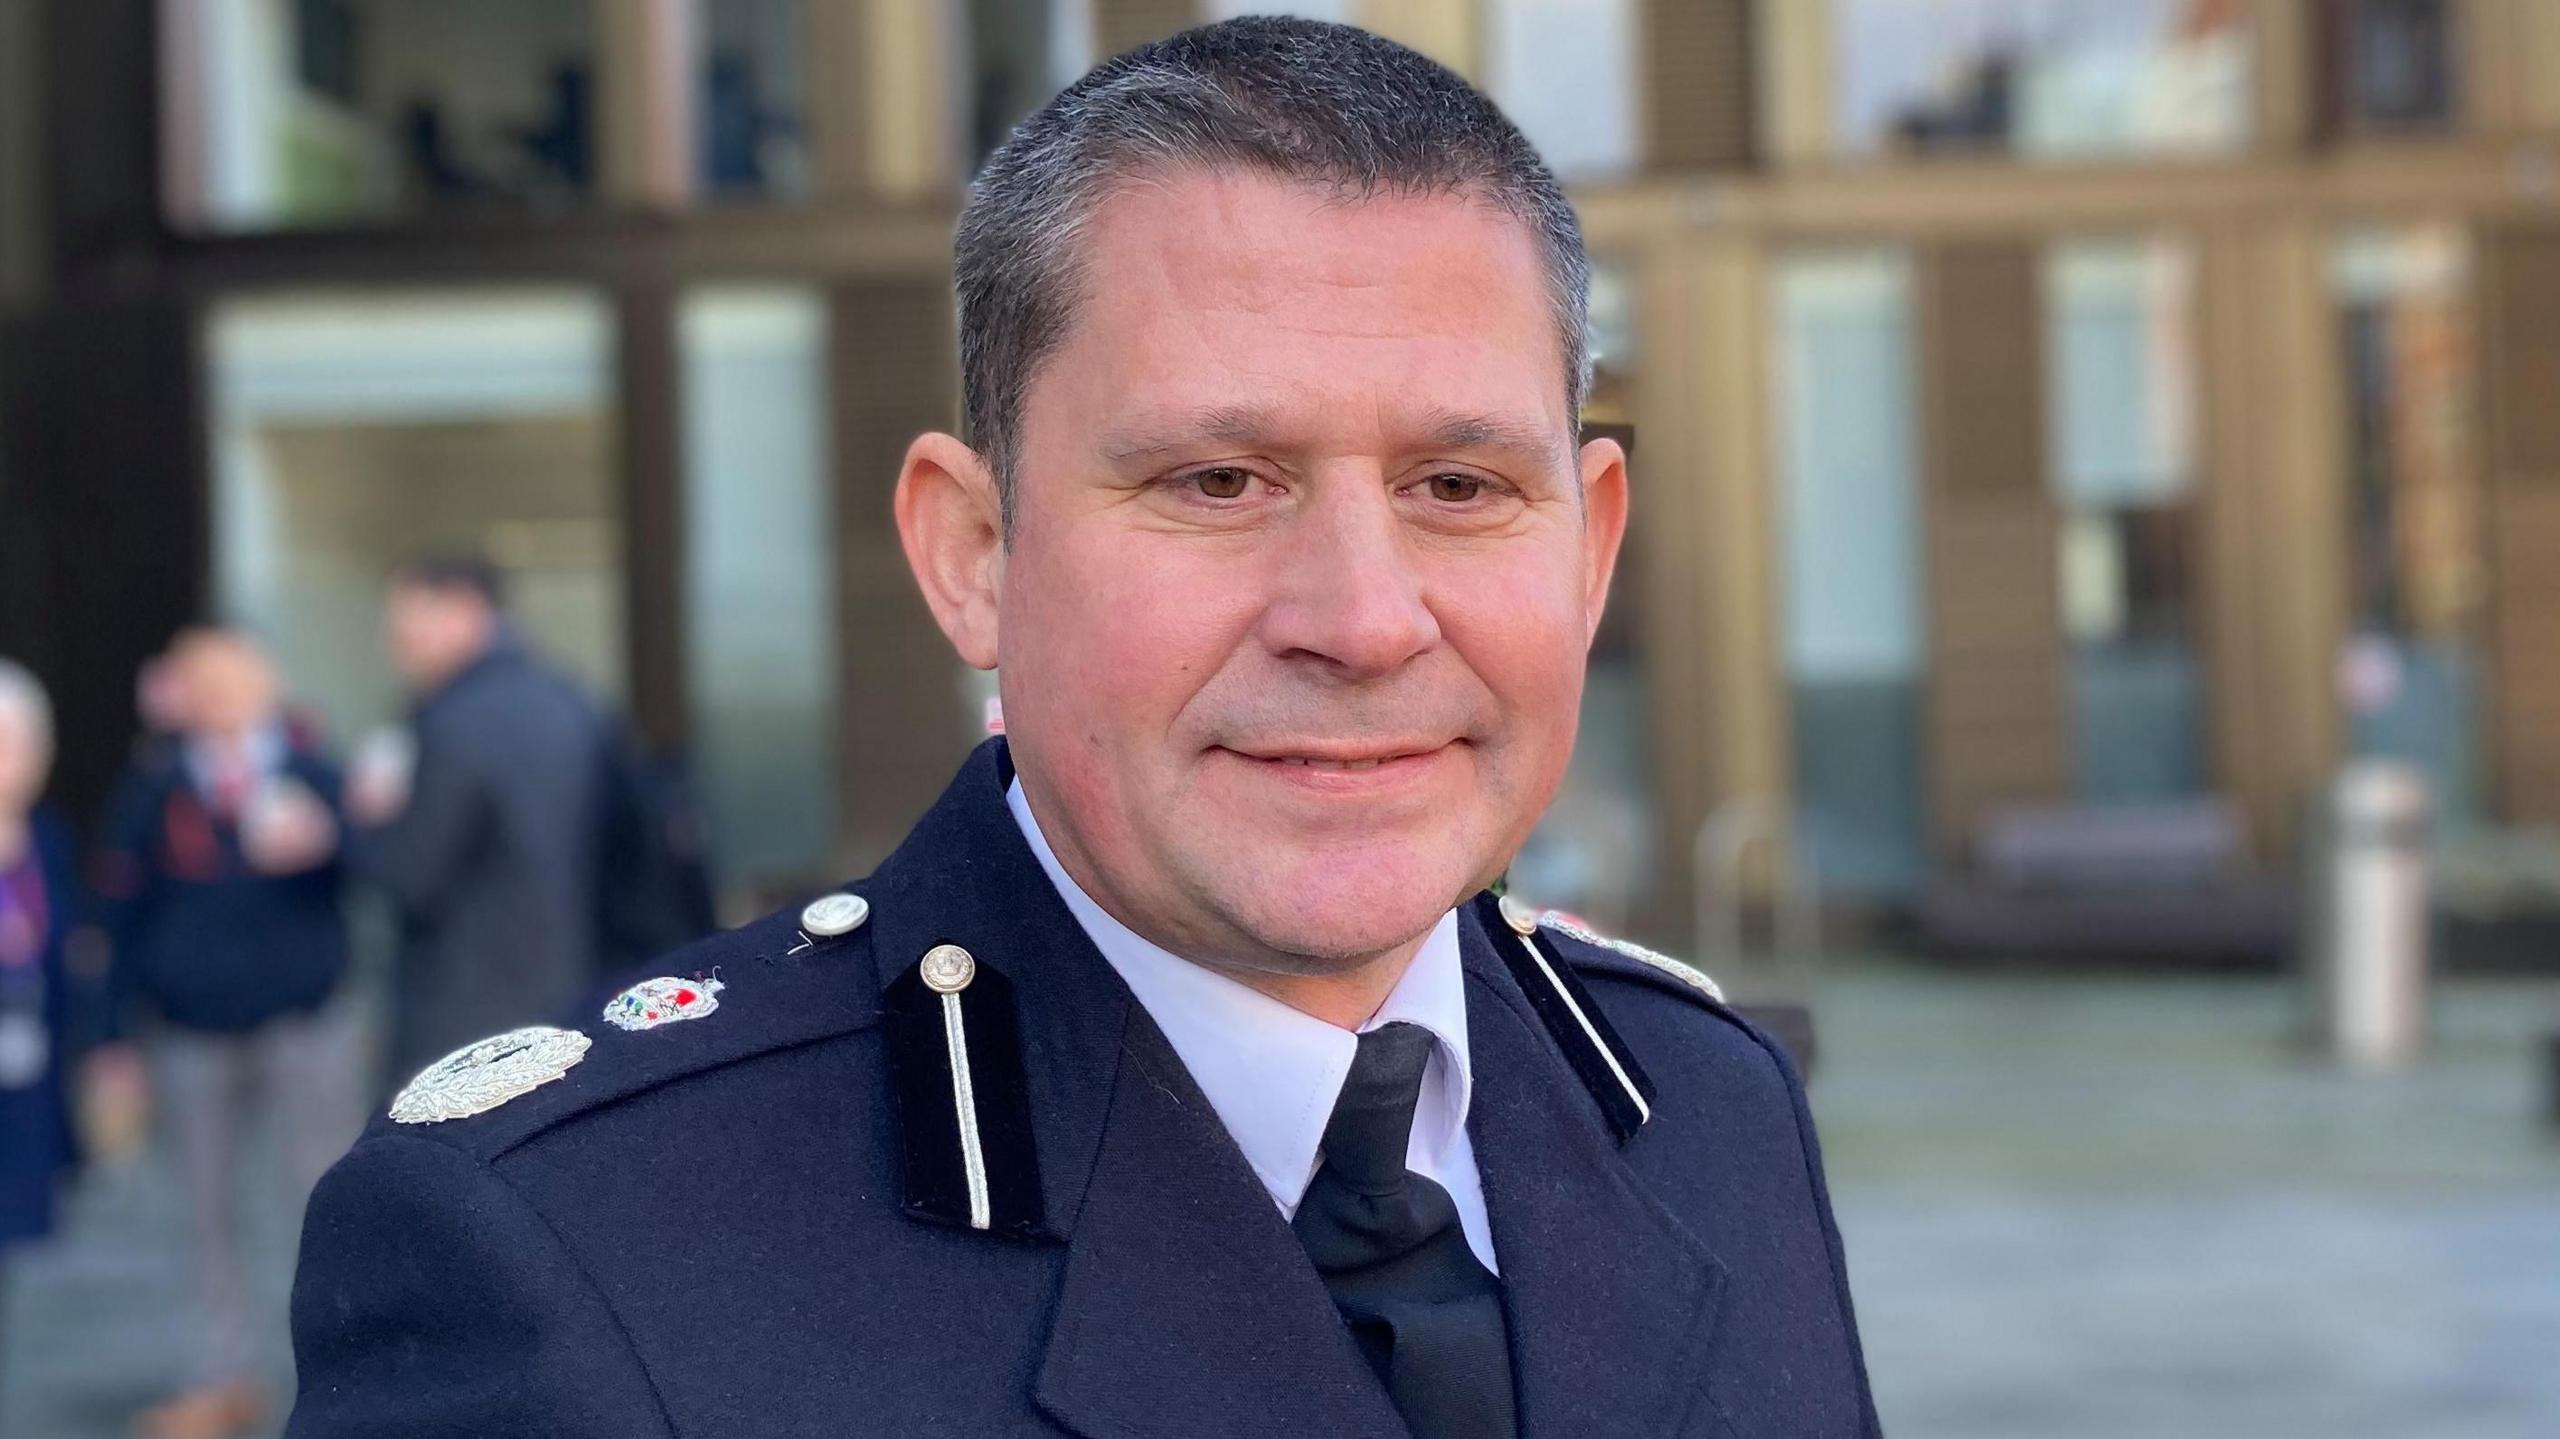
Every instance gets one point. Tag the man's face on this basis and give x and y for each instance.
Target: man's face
(1305, 565)
(229, 687)
(25, 758)
(432, 631)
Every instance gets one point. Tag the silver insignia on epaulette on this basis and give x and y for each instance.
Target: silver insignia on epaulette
(1689, 975)
(479, 1077)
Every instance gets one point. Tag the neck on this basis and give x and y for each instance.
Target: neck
(1342, 992)
(1343, 998)
(13, 836)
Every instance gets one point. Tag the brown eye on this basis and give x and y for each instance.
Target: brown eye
(1228, 484)
(1455, 489)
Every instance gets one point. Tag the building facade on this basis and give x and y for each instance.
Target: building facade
(2034, 403)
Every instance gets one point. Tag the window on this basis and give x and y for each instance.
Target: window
(354, 430)
(295, 112)
(2417, 565)
(753, 108)
(2120, 361)
(1020, 53)
(1596, 852)
(2054, 78)
(760, 585)
(1564, 71)
(1849, 529)
(2393, 65)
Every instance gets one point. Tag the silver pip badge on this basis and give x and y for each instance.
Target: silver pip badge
(479, 1078)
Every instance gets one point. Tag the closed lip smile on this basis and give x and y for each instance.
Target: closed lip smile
(1341, 758)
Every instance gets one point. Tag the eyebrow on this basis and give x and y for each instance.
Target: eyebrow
(1442, 431)
(1228, 424)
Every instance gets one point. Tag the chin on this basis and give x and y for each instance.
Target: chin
(1345, 907)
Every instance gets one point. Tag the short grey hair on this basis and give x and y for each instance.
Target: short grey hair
(22, 691)
(1300, 100)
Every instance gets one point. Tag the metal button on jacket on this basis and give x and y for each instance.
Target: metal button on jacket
(835, 914)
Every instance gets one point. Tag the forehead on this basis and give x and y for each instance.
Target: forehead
(221, 657)
(1201, 290)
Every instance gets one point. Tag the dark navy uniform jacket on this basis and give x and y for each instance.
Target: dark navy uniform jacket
(202, 939)
(36, 1139)
(758, 1222)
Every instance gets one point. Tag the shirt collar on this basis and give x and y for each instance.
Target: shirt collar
(1273, 1072)
(261, 752)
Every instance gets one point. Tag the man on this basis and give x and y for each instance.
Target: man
(221, 875)
(1175, 1077)
(489, 849)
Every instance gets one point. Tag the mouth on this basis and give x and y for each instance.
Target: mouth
(1316, 762)
(1312, 762)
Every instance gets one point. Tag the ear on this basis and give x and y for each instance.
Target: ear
(1604, 525)
(953, 531)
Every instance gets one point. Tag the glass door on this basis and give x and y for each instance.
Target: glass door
(353, 430)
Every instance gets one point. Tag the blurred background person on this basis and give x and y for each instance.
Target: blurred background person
(38, 905)
(221, 871)
(487, 833)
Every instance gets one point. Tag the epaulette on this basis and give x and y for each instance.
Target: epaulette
(1681, 973)
(773, 982)
(1547, 953)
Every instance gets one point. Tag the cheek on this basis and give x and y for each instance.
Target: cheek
(1522, 633)
(1110, 641)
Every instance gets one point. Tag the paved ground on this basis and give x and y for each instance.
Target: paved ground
(2131, 1208)
(2101, 1208)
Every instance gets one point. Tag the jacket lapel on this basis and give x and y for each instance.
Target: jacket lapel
(1186, 1305)
(1612, 1300)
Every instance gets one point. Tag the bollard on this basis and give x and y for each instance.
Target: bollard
(2369, 953)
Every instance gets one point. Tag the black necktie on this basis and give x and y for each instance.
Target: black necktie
(1387, 1241)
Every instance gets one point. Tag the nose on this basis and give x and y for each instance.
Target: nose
(1348, 594)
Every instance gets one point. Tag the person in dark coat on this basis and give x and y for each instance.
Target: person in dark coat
(40, 903)
(221, 878)
(1179, 1074)
(487, 838)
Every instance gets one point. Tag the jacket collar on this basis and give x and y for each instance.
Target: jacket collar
(964, 876)
(1613, 1301)
(1167, 1228)
(505, 649)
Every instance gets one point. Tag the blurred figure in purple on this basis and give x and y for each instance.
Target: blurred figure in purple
(39, 902)
(221, 874)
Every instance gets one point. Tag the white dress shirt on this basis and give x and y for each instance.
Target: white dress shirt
(1273, 1072)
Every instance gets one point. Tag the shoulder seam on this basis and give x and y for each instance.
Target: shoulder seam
(598, 1104)
(595, 1291)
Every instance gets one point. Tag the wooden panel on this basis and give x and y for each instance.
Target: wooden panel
(1995, 729)
(2520, 313)
(2525, 652)
(101, 133)
(1699, 101)
(650, 455)
(2272, 507)
(1449, 31)
(1792, 79)
(107, 459)
(1995, 726)
(2524, 367)
(1126, 24)
(25, 561)
(1985, 370)
(894, 374)
(25, 247)
(1704, 577)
